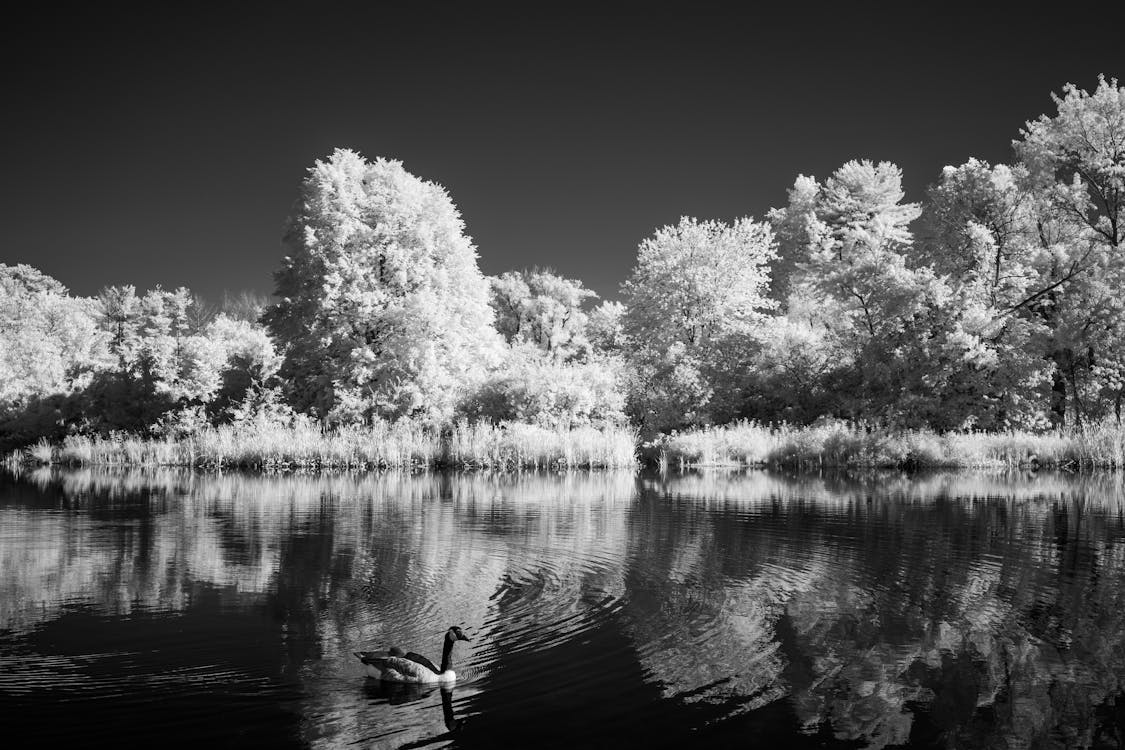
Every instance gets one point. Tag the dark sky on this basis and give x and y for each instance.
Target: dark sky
(145, 144)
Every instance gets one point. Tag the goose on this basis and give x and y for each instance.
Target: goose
(395, 666)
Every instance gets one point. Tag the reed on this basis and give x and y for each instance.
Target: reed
(381, 445)
(513, 445)
(846, 444)
(41, 452)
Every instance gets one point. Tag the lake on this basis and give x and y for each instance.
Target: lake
(952, 610)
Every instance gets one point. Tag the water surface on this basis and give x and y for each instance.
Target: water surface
(950, 610)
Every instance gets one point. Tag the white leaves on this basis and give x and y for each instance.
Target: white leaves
(49, 341)
(1081, 152)
(542, 308)
(694, 286)
(698, 280)
(383, 307)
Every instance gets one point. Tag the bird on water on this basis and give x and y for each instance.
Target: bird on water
(395, 666)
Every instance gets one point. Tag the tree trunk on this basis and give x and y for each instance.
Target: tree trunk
(1058, 398)
(1073, 372)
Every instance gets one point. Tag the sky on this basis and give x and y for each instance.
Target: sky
(165, 143)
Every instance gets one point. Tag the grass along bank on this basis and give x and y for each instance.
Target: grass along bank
(512, 445)
(399, 445)
(837, 444)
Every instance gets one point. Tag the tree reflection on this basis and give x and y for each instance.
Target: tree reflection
(967, 609)
(957, 609)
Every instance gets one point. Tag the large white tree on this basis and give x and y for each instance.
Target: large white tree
(1078, 155)
(1075, 162)
(881, 315)
(698, 280)
(698, 290)
(382, 309)
(49, 341)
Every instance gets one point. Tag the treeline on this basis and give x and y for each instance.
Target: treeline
(997, 303)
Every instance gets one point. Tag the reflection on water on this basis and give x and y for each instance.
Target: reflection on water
(949, 609)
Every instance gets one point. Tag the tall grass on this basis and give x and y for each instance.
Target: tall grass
(41, 452)
(400, 445)
(512, 445)
(846, 444)
(515, 445)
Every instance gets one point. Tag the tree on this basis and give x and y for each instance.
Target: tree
(857, 237)
(984, 234)
(891, 322)
(118, 314)
(245, 305)
(551, 373)
(248, 363)
(542, 308)
(694, 286)
(697, 281)
(172, 366)
(979, 230)
(791, 228)
(381, 309)
(531, 386)
(1075, 162)
(789, 368)
(165, 325)
(49, 341)
(50, 350)
(1079, 157)
(605, 326)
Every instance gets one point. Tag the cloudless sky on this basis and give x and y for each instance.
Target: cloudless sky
(165, 143)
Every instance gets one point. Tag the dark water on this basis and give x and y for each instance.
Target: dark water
(955, 610)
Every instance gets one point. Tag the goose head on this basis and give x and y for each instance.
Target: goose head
(455, 634)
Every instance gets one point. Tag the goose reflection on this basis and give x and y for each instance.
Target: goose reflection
(401, 693)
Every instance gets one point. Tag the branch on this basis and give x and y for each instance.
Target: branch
(1074, 271)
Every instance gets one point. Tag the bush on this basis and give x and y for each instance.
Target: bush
(536, 388)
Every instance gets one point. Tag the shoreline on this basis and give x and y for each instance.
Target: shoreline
(834, 444)
(514, 446)
(381, 446)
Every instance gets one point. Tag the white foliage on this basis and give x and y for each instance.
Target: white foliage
(49, 341)
(383, 311)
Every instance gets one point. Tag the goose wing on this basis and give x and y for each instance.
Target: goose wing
(416, 657)
(408, 668)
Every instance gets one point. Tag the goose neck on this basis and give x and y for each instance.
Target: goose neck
(447, 656)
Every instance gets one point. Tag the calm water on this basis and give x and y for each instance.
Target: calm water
(956, 610)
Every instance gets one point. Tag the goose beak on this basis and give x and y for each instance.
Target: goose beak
(463, 637)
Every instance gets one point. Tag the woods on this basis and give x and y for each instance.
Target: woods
(993, 304)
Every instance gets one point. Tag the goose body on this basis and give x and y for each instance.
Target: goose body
(396, 666)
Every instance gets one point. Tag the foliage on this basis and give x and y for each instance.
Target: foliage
(884, 315)
(1078, 156)
(1076, 166)
(997, 304)
(535, 387)
(49, 342)
(791, 228)
(50, 350)
(697, 281)
(382, 310)
(695, 286)
(605, 326)
(249, 362)
(787, 376)
(543, 309)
